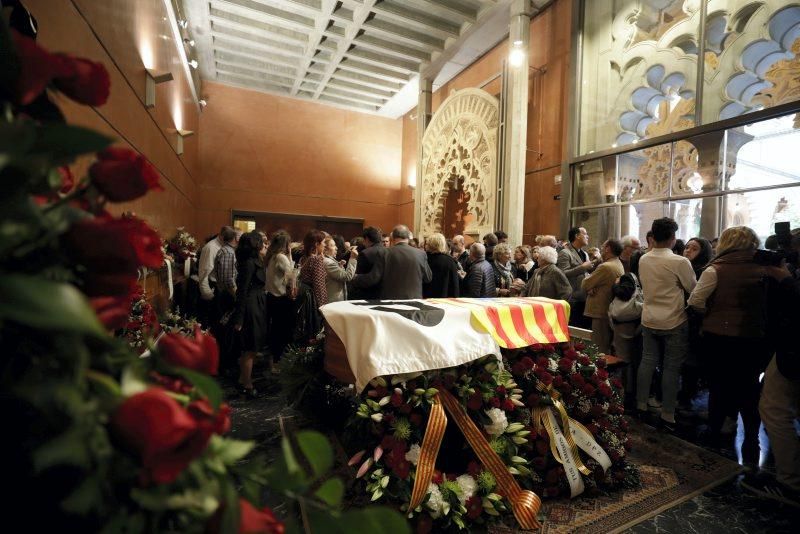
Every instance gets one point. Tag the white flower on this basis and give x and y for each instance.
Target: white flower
(468, 488)
(552, 365)
(413, 454)
(436, 502)
(499, 422)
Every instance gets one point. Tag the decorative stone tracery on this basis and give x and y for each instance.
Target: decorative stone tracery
(460, 149)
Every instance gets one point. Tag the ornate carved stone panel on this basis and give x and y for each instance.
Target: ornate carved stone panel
(460, 147)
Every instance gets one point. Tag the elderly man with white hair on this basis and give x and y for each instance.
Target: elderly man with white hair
(548, 280)
(479, 281)
(630, 244)
(459, 252)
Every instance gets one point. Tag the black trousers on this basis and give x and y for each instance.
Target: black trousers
(576, 317)
(280, 313)
(735, 364)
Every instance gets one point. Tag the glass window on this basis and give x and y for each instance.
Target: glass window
(760, 210)
(595, 182)
(637, 219)
(639, 70)
(764, 153)
(698, 163)
(751, 57)
(600, 223)
(644, 174)
(692, 221)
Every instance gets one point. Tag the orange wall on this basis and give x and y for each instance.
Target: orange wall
(547, 114)
(120, 34)
(260, 152)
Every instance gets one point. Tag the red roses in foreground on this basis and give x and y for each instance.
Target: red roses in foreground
(122, 174)
(165, 435)
(84, 81)
(255, 521)
(200, 353)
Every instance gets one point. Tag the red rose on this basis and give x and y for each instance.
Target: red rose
(122, 174)
(213, 423)
(112, 311)
(500, 390)
(577, 379)
(255, 521)
(396, 400)
(424, 524)
(416, 419)
(565, 389)
(565, 365)
(402, 469)
(588, 390)
(542, 361)
(161, 432)
(494, 402)
(508, 406)
(616, 382)
(601, 362)
(517, 369)
(473, 468)
(546, 378)
(605, 390)
(558, 381)
(111, 250)
(84, 81)
(437, 478)
(602, 374)
(37, 68)
(474, 507)
(570, 353)
(593, 428)
(584, 360)
(527, 362)
(388, 442)
(475, 401)
(579, 346)
(199, 353)
(533, 400)
(67, 180)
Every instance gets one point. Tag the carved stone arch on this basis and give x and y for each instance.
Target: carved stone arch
(460, 148)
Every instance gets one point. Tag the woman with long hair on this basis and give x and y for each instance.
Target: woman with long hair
(732, 295)
(698, 251)
(249, 316)
(312, 265)
(281, 290)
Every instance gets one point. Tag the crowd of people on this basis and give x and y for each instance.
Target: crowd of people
(682, 316)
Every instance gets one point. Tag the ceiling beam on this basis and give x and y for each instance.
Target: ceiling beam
(249, 8)
(371, 42)
(252, 83)
(368, 81)
(346, 103)
(360, 14)
(312, 53)
(360, 99)
(382, 60)
(445, 9)
(249, 24)
(223, 47)
(267, 64)
(230, 37)
(410, 18)
(360, 89)
(371, 70)
(256, 74)
(402, 34)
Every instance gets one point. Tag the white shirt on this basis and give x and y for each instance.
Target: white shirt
(205, 267)
(665, 278)
(705, 287)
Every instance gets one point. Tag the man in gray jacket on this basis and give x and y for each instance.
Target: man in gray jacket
(575, 264)
(405, 268)
(479, 281)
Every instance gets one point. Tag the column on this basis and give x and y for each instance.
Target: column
(516, 123)
(423, 118)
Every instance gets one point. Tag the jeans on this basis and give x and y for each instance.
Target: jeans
(673, 345)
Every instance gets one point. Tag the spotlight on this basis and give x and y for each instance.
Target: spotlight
(189, 42)
(193, 63)
(183, 23)
(517, 55)
(202, 103)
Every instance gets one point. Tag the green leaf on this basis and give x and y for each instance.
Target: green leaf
(317, 451)
(206, 385)
(64, 142)
(331, 492)
(16, 137)
(46, 305)
(231, 450)
(288, 457)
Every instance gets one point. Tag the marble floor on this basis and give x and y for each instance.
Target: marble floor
(725, 509)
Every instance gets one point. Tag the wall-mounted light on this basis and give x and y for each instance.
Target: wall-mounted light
(153, 78)
(181, 135)
(194, 64)
(412, 178)
(517, 55)
(203, 103)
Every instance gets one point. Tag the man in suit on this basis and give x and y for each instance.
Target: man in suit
(366, 284)
(575, 264)
(479, 281)
(405, 268)
(598, 289)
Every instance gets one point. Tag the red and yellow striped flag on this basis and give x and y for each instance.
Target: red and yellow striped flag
(518, 322)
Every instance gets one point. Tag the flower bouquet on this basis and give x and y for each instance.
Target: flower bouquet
(181, 246)
(100, 439)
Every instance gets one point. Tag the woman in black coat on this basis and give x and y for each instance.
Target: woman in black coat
(445, 280)
(249, 316)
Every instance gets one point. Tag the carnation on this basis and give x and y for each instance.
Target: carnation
(413, 454)
(435, 502)
(499, 422)
(468, 487)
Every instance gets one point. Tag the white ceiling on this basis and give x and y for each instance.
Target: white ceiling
(364, 55)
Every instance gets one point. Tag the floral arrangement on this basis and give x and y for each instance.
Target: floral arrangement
(104, 440)
(181, 246)
(502, 398)
(142, 323)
